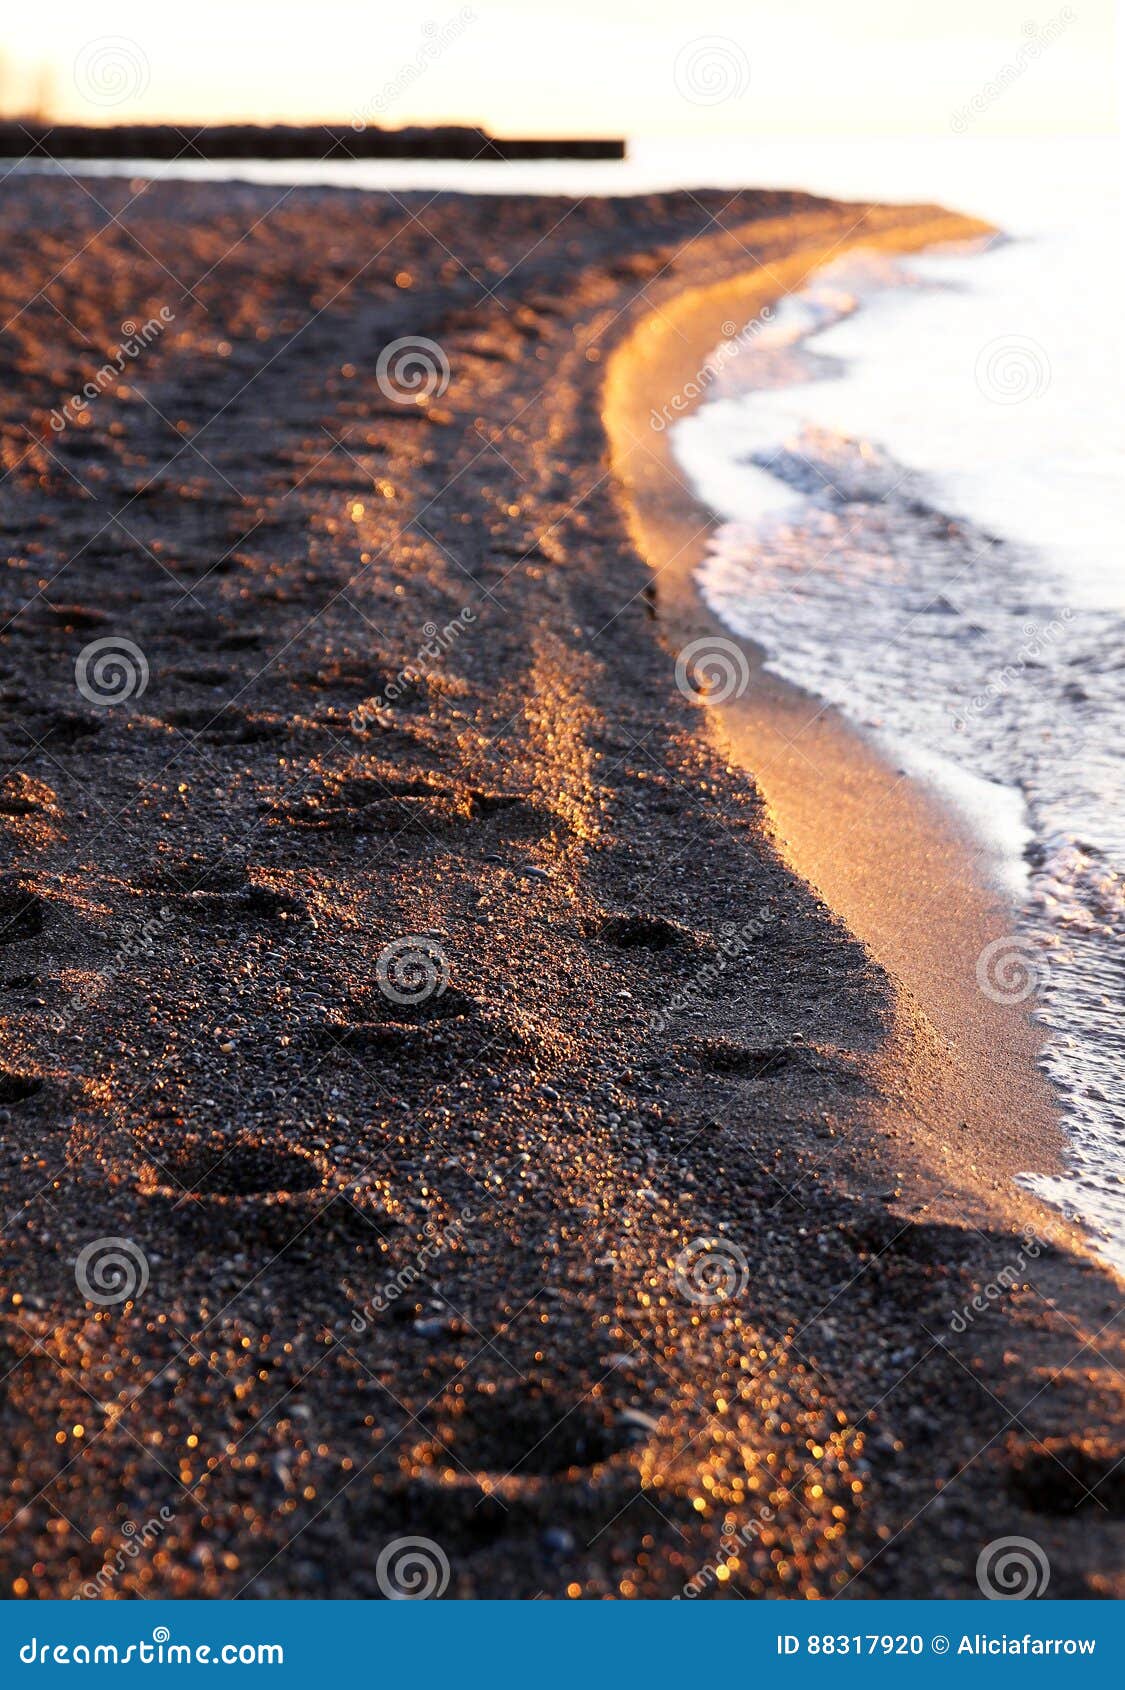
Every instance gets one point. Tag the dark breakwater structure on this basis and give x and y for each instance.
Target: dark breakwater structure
(37, 140)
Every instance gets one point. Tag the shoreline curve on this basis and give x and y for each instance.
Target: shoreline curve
(896, 863)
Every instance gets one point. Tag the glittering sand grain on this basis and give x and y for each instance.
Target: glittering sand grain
(503, 1144)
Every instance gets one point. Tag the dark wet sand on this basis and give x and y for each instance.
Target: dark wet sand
(654, 1032)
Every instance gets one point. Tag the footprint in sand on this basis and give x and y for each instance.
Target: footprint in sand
(16, 1087)
(640, 932)
(22, 910)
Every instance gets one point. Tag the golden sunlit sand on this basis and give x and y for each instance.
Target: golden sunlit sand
(613, 1263)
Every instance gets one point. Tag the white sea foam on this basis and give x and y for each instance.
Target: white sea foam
(920, 472)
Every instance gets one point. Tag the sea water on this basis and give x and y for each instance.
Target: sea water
(919, 463)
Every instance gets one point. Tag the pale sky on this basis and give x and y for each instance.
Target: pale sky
(640, 67)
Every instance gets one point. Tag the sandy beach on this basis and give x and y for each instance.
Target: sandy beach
(665, 1244)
